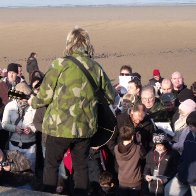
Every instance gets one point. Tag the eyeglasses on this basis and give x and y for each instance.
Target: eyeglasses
(124, 74)
(147, 99)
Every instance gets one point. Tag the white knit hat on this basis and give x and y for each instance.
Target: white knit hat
(187, 106)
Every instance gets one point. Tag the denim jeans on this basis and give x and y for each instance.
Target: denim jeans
(175, 188)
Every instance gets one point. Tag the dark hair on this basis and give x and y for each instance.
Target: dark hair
(127, 67)
(32, 55)
(106, 179)
(36, 75)
(193, 87)
(126, 133)
(137, 83)
(191, 119)
(136, 75)
(138, 106)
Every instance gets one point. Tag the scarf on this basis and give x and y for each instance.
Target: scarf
(21, 111)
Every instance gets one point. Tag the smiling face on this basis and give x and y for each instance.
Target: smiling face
(157, 77)
(160, 148)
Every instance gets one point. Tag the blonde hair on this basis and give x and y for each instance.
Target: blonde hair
(78, 39)
(129, 98)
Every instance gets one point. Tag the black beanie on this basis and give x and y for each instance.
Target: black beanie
(12, 67)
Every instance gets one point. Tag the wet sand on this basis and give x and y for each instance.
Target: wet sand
(144, 37)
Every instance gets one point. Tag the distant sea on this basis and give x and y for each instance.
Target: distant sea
(73, 3)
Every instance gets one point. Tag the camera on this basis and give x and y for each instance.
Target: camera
(4, 164)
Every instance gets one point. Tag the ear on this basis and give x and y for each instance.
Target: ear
(112, 185)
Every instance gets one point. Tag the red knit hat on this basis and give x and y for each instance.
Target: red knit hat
(156, 72)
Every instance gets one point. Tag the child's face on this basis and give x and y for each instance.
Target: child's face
(160, 148)
(192, 128)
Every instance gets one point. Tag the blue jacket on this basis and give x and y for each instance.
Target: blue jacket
(187, 167)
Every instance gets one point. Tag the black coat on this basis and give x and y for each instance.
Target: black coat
(32, 65)
(145, 128)
(167, 167)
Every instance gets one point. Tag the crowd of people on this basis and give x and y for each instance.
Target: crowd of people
(48, 121)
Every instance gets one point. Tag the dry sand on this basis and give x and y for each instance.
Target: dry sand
(144, 37)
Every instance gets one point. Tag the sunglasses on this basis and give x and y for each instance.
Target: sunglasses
(124, 74)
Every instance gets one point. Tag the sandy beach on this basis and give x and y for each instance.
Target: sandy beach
(145, 37)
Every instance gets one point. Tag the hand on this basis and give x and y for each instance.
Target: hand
(118, 87)
(27, 130)
(19, 130)
(148, 178)
(7, 168)
(138, 137)
(30, 100)
(95, 148)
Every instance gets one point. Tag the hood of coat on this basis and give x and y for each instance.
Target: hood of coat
(126, 152)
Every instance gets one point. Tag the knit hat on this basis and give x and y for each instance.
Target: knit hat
(12, 67)
(167, 97)
(187, 106)
(23, 87)
(156, 72)
(160, 137)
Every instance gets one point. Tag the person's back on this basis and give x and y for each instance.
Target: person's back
(128, 156)
(71, 116)
(32, 64)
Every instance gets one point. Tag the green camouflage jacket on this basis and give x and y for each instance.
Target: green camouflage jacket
(72, 111)
(158, 112)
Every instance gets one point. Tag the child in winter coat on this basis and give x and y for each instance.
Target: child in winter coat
(161, 164)
(128, 156)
